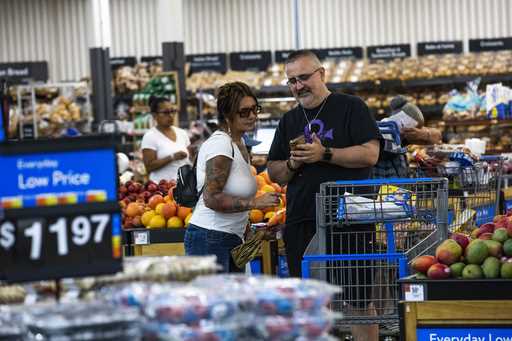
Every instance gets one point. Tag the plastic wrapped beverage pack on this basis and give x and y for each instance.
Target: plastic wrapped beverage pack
(81, 321)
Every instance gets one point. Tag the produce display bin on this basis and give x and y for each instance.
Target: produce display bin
(455, 309)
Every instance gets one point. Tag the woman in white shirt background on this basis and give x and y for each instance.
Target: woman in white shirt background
(164, 147)
(220, 217)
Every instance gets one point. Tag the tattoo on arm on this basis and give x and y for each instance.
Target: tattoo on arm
(217, 173)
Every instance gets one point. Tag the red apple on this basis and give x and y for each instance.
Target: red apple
(485, 236)
(138, 187)
(123, 189)
(438, 271)
(152, 187)
(461, 239)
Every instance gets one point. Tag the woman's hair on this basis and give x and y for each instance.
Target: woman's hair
(229, 97)
(155, 101)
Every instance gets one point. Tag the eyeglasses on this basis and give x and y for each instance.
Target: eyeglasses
(246, 112)
(167, 112)
(301, 78)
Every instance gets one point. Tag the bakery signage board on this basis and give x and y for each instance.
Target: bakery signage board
(59, 212)
(207, 62)
(250, 61)
(439, 47)
(118, 62)
(495, 44)
(281, 56)
(151, 59)
(340, 53)
(388, 51)
(481, 333)
(16, 73)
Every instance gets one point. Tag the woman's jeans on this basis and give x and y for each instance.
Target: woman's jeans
(200, 242)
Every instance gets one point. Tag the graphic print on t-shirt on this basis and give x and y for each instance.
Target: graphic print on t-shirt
(320, 133)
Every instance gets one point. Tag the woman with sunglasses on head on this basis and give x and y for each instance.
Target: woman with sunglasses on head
(164, 147)
(224, 176)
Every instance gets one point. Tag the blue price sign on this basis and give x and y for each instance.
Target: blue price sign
(58, 178)
(464, 334)
(485, 214)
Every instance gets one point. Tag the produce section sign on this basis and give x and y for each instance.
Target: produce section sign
(17, 73)
(497, 44)
(439, 47)
(464, 334)
(340, 53)
(58, 178)
(207, 62)
(250, 61)
(389, 51)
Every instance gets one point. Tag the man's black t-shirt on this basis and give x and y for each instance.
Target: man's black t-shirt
(344, 121)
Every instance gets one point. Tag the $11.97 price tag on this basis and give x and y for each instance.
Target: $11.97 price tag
(56, 247)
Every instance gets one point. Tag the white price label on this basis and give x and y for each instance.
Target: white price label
(414, 292)
(141, 237)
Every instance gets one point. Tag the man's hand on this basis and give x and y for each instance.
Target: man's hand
(308, 152)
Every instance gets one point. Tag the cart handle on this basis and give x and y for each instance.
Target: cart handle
(491, 158)
(402, 260)
(390, 181)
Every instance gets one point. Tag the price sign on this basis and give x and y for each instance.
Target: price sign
(414, 292)
(59, 216)
(141, 237)
(61, 246)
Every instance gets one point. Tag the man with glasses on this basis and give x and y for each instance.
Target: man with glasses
(326, 137)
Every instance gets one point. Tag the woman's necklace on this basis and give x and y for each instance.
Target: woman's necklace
(316, 116)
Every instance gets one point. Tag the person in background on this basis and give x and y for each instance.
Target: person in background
(393, 164)
(338, 140)
(164, 147)
(220, 218)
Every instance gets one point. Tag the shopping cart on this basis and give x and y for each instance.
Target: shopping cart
(367, 232)
(474, 189)
(506, 189)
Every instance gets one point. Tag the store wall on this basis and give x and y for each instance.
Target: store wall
(328, 23)
(56, 30)
(238, 25)
(51, 30)
(134, 28)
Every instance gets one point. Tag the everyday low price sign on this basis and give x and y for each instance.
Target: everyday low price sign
(59, 211)
(48, 179)
(464, 334)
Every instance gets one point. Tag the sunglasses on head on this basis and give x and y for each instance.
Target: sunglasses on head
(301, 78)
(246, 112)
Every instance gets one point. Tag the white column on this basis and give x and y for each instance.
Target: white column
(98, 19)
(170, 21)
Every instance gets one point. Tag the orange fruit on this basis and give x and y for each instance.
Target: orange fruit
(266, 177)
(269, 215)
(174, 222)
(155, 200)
(253, 170)
(187, 219)
(167, 198)
(183, 212)
(146, 217)
(133, 209)
(260, 181)
(157, 222)
(158, 208)
(268, 188)
(256, 216)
